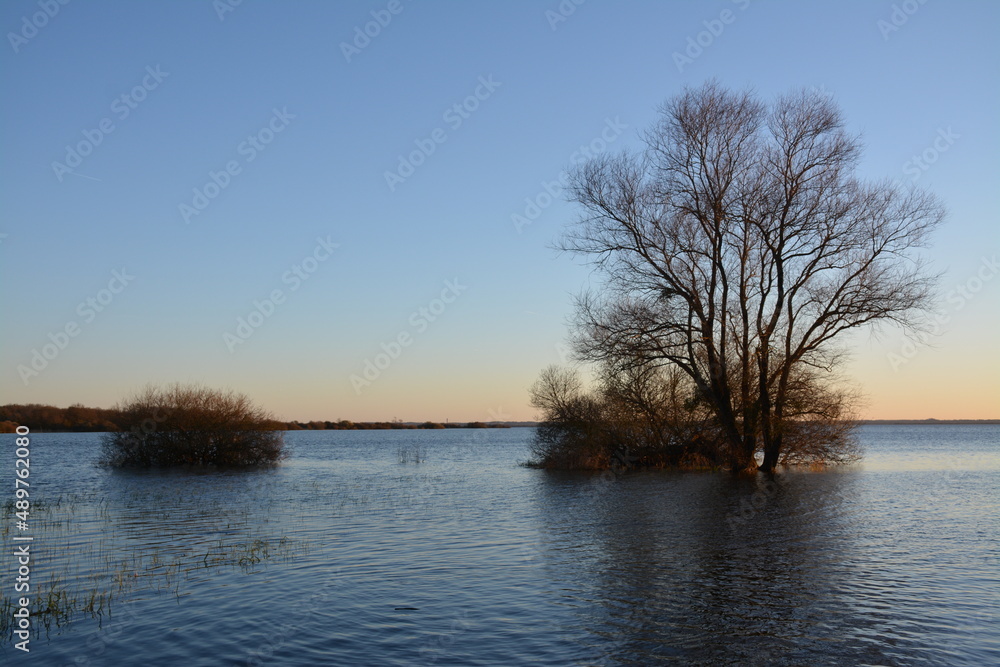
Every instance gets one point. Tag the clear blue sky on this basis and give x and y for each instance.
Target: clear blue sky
(200, 92)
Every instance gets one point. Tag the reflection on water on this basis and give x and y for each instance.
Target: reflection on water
(351, 553)
(808, 574)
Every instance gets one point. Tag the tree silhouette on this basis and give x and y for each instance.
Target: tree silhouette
(737, 248)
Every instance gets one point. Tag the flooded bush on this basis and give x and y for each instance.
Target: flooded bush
(191, 425)
(645, 416)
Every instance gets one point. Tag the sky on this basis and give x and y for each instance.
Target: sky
(347, 210)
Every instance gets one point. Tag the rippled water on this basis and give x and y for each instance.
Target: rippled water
(345, 555)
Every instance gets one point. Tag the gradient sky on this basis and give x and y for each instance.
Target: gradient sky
(210, 79)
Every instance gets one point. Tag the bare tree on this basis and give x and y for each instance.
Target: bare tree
(737, 247)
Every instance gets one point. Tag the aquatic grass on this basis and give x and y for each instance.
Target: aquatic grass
(85, 574)
(103, 550)
(411, 454)
(64, 596)
(247, 554)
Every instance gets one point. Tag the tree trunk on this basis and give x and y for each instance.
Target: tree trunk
(739, 459)
(772, 440)
(772, 451)
(764, 414)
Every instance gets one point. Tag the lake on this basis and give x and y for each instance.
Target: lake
(435, 547)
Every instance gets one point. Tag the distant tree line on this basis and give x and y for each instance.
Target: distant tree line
(50, 418)
(346, 425)
(79, 418)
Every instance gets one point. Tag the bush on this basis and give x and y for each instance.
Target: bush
(574, 432)
(191, 425)
(638, 416)
(645, 416)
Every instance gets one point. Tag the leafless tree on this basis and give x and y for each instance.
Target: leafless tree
(737, 248)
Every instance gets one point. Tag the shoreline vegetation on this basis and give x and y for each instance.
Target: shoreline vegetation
(78, 418)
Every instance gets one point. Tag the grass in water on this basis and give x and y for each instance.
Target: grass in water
(91, 577)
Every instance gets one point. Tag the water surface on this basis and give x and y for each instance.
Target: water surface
(345, 555)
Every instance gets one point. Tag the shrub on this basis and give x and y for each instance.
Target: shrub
(645, 416)
(191, 425)
(575, 432)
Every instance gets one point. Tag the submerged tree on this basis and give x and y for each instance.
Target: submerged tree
(191, 425)
(737, 248)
